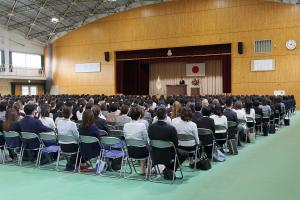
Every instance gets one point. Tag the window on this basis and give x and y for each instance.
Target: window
(263, 46)
(29, 90)
(26, 60)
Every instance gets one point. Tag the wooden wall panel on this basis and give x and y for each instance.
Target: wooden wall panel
(186, 23)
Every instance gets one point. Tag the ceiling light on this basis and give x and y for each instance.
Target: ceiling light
(54, 20)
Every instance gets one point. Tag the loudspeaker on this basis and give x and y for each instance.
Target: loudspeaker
(240, 47)
(106, 56)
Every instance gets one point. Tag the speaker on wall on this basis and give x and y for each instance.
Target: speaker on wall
(240, 47)
(106, 56)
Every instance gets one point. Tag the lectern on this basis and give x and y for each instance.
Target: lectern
(176, 90)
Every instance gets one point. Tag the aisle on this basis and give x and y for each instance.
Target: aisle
(268, 169)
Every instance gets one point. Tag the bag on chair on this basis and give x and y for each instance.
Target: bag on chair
(272, 129)
(232, 146)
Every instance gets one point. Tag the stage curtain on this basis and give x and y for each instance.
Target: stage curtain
(171, 73)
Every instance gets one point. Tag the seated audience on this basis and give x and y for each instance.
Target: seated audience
(123, 118)
(161, 130)
(45, 119)
(99, 122)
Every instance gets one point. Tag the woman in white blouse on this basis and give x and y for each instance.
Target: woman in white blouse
(137, 130)
(241, 115)
(219, 118)
(45, 119)
(185, 126)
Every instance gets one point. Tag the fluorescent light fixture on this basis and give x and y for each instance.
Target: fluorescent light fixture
(54, 20)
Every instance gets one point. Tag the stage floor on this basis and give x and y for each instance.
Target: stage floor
(268, 169)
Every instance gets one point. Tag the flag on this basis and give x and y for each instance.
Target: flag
(158, 83)
(195, 69)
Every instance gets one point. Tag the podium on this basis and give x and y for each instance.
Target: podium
(176, 90)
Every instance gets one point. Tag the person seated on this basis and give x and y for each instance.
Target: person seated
(32, 125)
(241, 115)
(266, 109)
(186, 127)
(113, 114)
(221, 120)
(137, 130)
(100, 122)
(228, 112)
(10, 123)
(161, 130)
(175, 114)
(249, 110)
(197, 115)
(3, 106)
(81, 109)
(45, 119)
(123, 118)
(89, 128)
(67, 127)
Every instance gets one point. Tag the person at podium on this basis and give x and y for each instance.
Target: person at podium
(181, 82)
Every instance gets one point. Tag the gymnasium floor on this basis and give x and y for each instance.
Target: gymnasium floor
(269, 169)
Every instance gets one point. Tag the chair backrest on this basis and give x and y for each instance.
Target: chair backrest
(116, 133)
(135, 143)
(119, 127)
(48, 136)
(110, 127)
(161, 144)
(66, 138)
(110, 140)
(242, 121)
(103, 133)
(220, 128)
(257, 116)
(231, 124)
(204, 131)
(10, 134)
(185, 137)
(250, 119)
(29, 136)
(88, 139)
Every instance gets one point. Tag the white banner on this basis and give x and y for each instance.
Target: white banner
(87, 67)
(195, 69)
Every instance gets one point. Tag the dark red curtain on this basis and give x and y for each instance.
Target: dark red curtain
(226, 73)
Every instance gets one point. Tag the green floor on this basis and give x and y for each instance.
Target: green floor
(267, 170)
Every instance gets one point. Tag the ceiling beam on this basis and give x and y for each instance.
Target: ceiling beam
(37, 15)
(11, 12)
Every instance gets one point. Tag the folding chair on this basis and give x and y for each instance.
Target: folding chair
(49, 145)
(103, 133)
(63, 141)
(250, 124)
(220, 135)
(86, 142)
(207, 139)
(188, 137)
(158, 149)
(118, 134)
(119, 127)
(2, 150)
(109, 151)
(13, 142)
(134, 148)
(31, 142)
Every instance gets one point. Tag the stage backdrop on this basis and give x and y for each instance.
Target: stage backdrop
(171, 74)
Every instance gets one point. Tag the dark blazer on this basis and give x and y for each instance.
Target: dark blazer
(231, 115)
(101, 124)
(196, 116)
(89, 151)
(32, 125)
(160, 130)
(182, 82)
(206, 122)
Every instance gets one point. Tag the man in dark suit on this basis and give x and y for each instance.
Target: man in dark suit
(181, 82)
(160, 130)
(228, 112)
(207, 123)
(197, 115)
(32, 125)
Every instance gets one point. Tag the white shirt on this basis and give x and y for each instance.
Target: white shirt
(241, 114)
(135, 130)
(144, 122)
(168, 120)
(176, 120)
(252, 113)
(47, 121)
(219, 120)
(67, 127)
(188, 128)
(79, 115)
